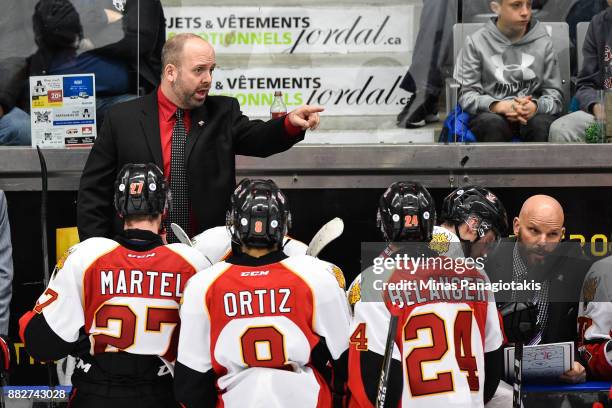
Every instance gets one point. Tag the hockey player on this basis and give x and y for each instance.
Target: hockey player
(216, 244)
(260, 328)
(595, 321)
(442, 335)
(122, 295)
(473, 219)
(473, 216)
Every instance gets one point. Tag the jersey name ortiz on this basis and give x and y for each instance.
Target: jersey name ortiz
(239, 320)
(125, 300)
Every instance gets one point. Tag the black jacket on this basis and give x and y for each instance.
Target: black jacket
(592, 73)
(130, 134)
(566, 268)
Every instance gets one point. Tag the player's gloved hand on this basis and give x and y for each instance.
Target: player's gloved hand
(6, 351)
(520, 321)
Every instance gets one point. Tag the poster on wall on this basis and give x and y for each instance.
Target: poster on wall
(63, 110)
(347, 90)
(297, 30)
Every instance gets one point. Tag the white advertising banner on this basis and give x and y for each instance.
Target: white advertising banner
(342, 91)
(63, 110)
(297, 30)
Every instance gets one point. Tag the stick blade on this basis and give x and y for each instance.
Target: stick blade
(328, 232)
(181, 235)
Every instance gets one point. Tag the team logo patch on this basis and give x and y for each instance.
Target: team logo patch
(491, 197)
(589, 289)
(339, 276)
(354, 295)
(62, 259)
(439, 243)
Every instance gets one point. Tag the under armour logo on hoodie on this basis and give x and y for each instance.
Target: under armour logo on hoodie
(512, 67)
(119, 5)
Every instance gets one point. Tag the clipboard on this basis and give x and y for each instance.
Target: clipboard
(542, 362)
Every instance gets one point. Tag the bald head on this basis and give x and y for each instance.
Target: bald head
(173, 48)
(539, 227)
(542, 207)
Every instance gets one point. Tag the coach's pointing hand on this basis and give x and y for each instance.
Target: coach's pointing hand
(305, 117)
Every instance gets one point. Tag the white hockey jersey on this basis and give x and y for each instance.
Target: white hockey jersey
(125, 300)
(252, 331)
(216, 244)
(441, 338)
(595, 320)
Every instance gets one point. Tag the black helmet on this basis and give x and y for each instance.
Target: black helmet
(406, 212)
(140, 189)
(477, 201)
(260, 215)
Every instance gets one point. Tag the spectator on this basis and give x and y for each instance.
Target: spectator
(535, 254)
(580, 11)
(191, 135)
(123, 52)
(424, 79)
(101, 37)
(432, 50)
(595, 76)
(14, 122)
(509, 76)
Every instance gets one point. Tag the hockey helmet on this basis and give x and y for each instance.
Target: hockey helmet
(478, 202)
(406, 212)
(259, 216)
(140, 189)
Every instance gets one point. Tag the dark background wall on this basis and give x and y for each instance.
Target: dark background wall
(586, 213)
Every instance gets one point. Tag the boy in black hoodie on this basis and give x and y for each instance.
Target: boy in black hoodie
(595, 76)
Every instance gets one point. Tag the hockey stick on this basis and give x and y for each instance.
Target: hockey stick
(45, 248)
(328, 232)
(43, 216)
(180, 234)
(386, 365)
